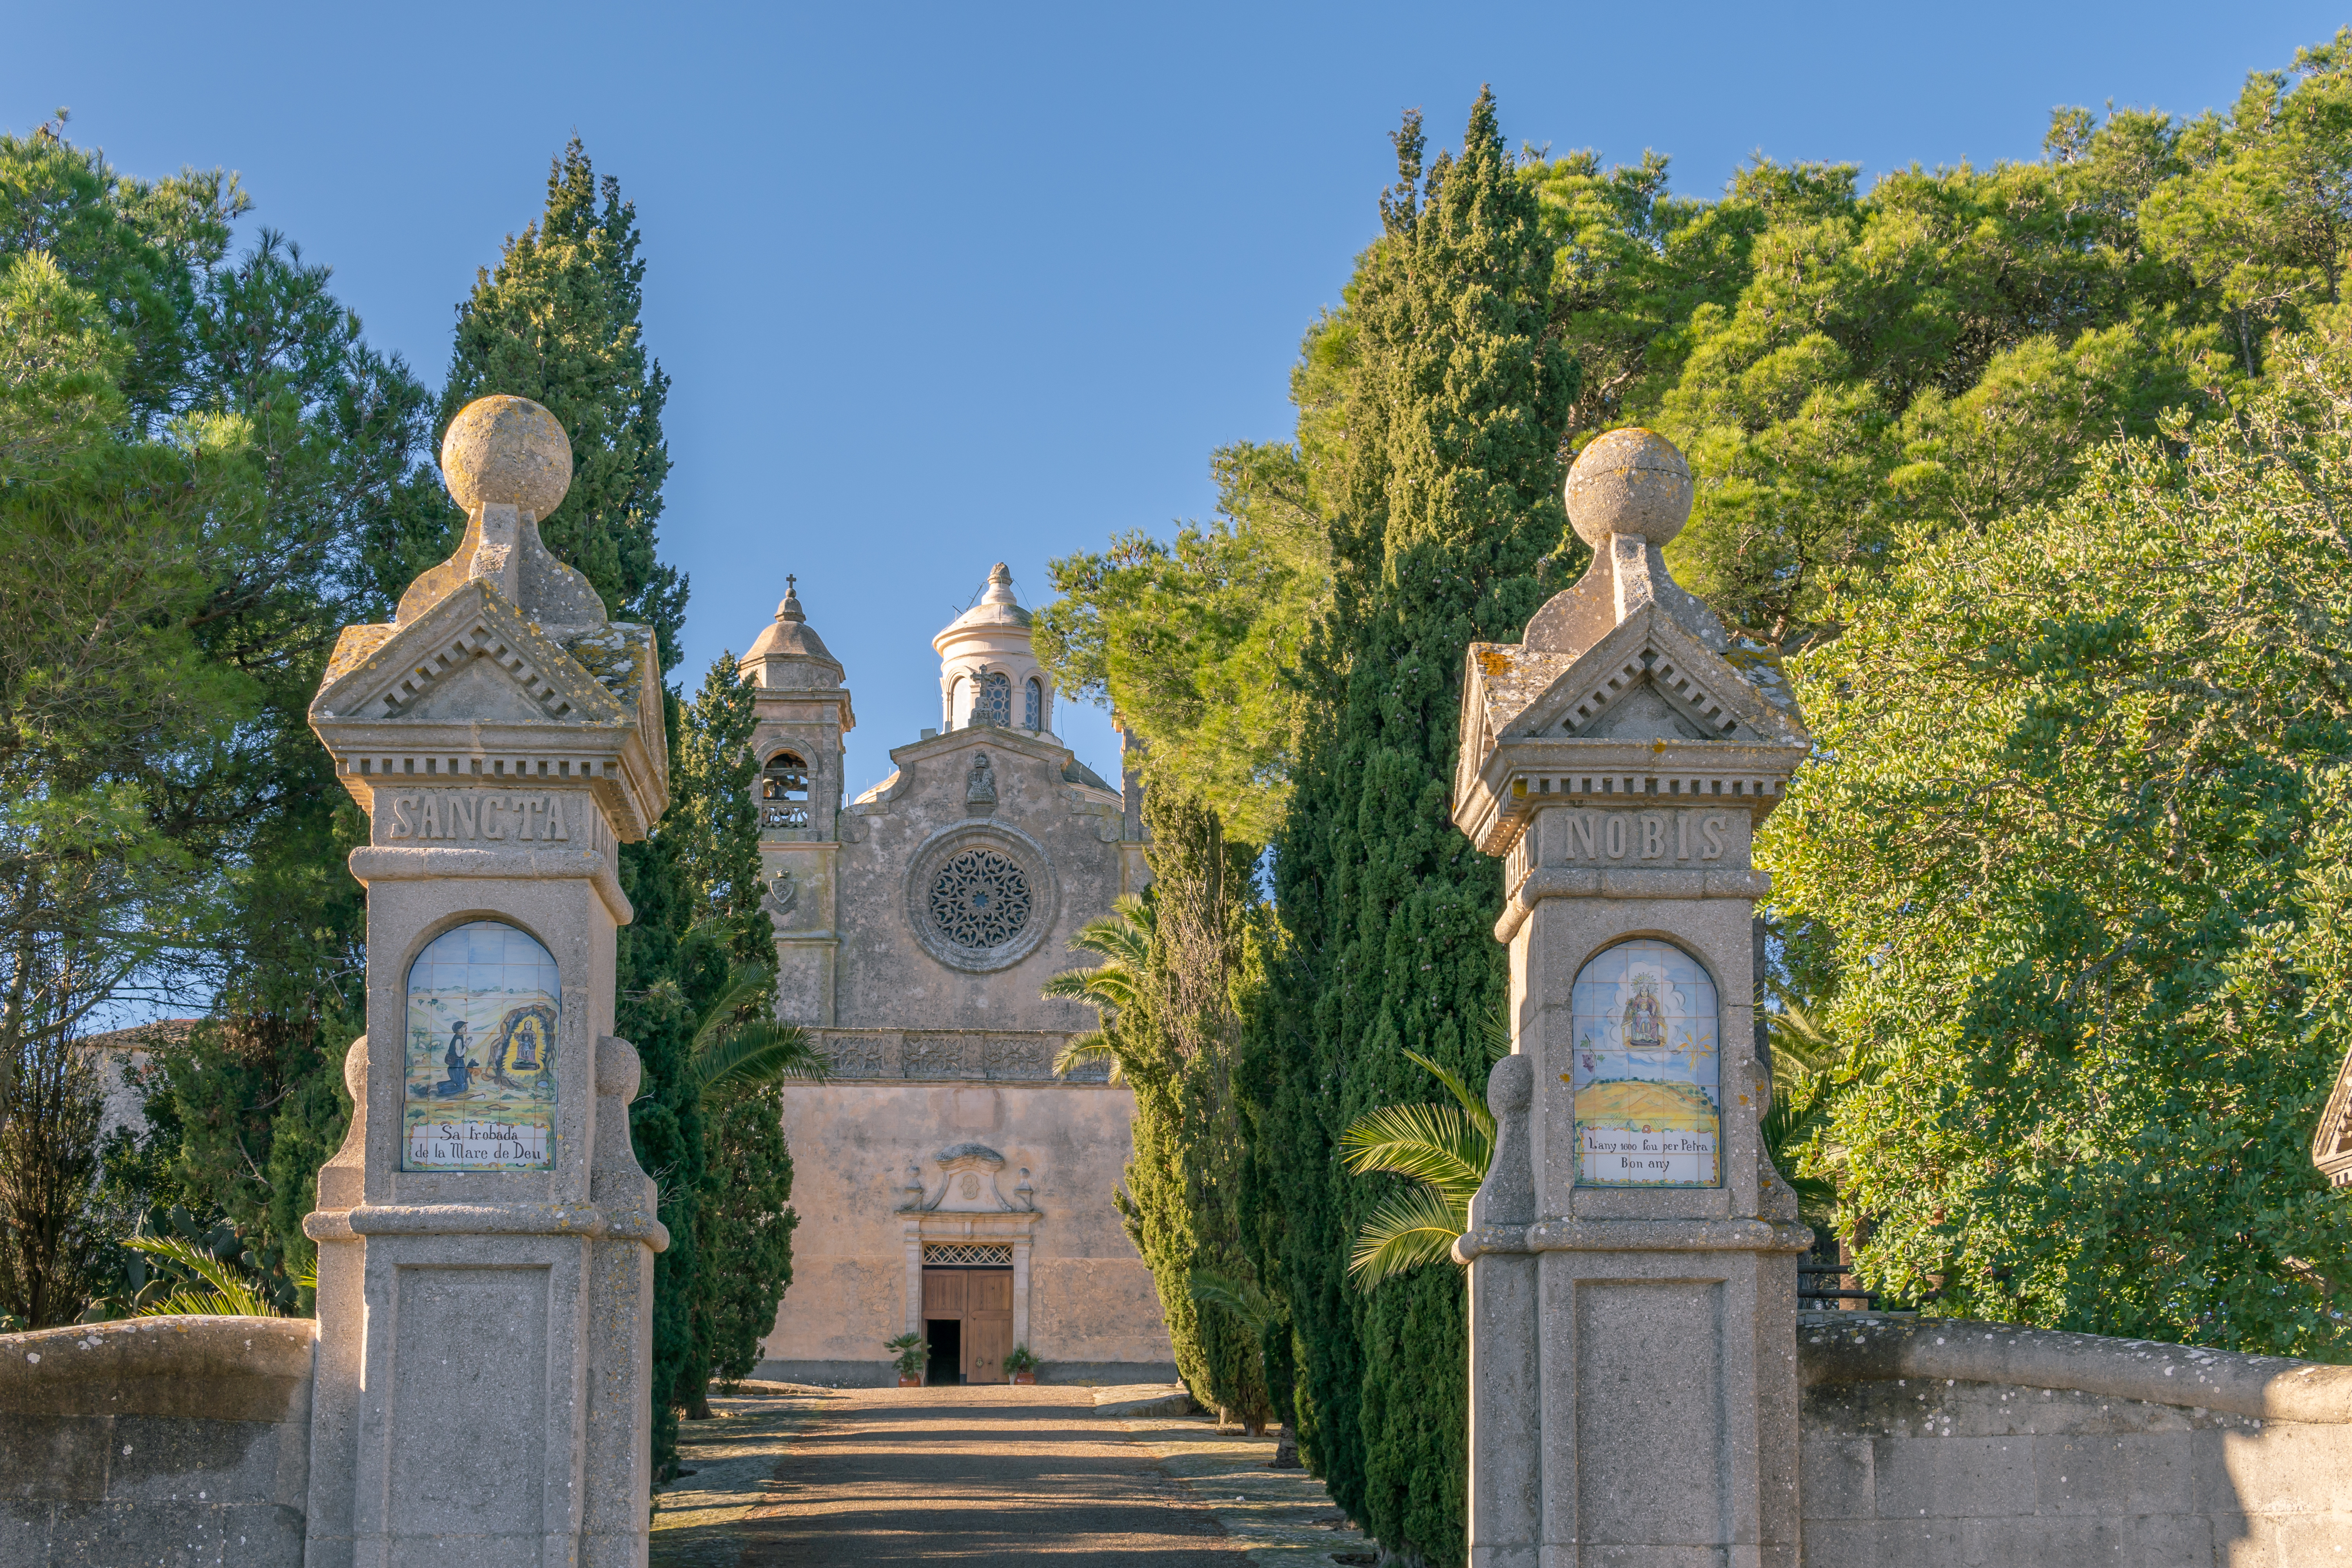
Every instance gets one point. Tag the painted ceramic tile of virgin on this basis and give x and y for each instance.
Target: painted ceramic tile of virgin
(1645, 1069)
(483, 1005)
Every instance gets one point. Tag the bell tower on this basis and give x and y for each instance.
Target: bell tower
(803, 712)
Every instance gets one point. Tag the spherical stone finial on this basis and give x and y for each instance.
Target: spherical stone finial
(504, 450)
(1629, 481)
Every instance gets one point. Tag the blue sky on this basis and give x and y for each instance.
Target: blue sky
(942, 285)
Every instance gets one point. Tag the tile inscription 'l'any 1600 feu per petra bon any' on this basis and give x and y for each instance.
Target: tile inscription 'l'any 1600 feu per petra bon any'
(1645, 1073)
(484, 1000)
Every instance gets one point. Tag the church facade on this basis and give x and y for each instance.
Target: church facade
(950, 1183)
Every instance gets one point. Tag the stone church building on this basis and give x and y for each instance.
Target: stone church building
(948, 1182)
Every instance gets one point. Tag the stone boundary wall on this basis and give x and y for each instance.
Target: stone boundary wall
(1943, 1441)
(183, 1440)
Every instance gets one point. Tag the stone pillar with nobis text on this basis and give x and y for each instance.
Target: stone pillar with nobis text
(486, 1237)
(1632, 1253)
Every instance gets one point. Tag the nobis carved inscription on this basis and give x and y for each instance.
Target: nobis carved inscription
(1645, 837)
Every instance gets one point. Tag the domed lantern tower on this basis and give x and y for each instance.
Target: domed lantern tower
(989, 672)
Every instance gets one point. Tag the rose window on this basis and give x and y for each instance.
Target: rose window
(979, 899)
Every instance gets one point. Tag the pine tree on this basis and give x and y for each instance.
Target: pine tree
(304, 452)
(558, 323)
(1445, 500)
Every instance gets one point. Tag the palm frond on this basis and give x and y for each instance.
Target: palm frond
(1494, 1032)
(1407, 1230)
(1122, 940)
(1106, 985)
(1471, 1103)
(1242, 1299)
(1434, 1143)
(702, 934)
(758, 1051)
(1122, 936)
(1798, 1038)
(746, 988)
(1093, 1046)
(1805, 1071)
(1070, 984)
(232, 1294)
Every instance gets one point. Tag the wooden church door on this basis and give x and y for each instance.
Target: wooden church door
(979, 1301)
(988, 1325)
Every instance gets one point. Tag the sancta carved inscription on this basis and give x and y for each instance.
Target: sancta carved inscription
(474, 816)
(1661, 838)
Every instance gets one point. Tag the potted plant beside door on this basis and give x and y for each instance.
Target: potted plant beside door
(1021, 1364)
(910, 1354)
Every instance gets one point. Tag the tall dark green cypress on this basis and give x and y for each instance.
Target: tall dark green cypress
(655, 1013)
(699, 927)
(742, 1220)
(558, 323)
(1445, 501)
(1182, 1203)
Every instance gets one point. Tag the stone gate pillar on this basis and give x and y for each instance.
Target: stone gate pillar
(486, 1238)
(1632, 1255)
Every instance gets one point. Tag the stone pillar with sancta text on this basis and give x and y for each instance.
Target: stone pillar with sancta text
(486, 1238)
(1633, 1254)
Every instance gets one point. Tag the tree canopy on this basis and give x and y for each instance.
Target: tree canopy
(2078, 828)
(2030, 471)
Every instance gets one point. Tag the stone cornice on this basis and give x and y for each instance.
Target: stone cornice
(1602, 882)
(394, 863)
(581, 703)
(1522, 774)
(1634, 1235)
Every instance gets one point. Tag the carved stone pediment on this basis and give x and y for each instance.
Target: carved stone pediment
(1627, 691)
(471, 657)
(1650, 680)
(967, 1185)
(2331, 1148)
(472, 686)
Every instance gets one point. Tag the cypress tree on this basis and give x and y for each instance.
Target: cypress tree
(699, 936)
(1444, 501)
(1184, 1211)
(654, 1011)
(741, 1218)
(558, 323)
(1164, 991)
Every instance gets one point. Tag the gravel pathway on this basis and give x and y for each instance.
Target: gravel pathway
(734, 1459)
(988, 1476)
